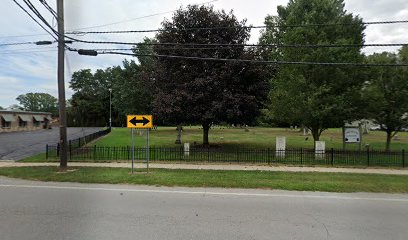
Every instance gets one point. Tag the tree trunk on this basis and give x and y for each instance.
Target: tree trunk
(178, 139)
(388, 144)
(316, 136)
(206, 129)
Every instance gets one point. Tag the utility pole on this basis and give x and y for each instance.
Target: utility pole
(61, 86)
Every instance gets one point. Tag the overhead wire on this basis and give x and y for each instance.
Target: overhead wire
(258, 61)
(35, 20)
(236, 27)
(137, 18)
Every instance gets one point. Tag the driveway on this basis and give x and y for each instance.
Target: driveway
(19, 145)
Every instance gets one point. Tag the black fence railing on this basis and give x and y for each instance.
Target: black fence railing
(332, 157)
(52, 151)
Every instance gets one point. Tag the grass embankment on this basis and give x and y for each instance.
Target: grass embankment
(326, 182)
(258, 138)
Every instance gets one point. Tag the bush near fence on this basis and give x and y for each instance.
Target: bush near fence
(370, 158)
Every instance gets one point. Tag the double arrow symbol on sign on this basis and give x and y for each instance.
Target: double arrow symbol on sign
(134, 121)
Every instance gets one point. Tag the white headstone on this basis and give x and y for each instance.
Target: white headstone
(280, 146)
(187, 149)
(320, 149)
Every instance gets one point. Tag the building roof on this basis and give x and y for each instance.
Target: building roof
(18, 111)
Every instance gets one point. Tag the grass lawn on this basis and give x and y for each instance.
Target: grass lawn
(326, 182)
(239, 138)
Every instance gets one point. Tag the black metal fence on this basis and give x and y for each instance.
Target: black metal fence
(332, 157)
(52, 151)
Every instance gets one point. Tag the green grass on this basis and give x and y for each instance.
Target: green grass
(239, 138)
(326, 182)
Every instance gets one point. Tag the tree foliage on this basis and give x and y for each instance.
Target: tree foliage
(131, 85)
(317, 97)
(386, 93)
(90, 102)
(38, 102)
(207, 92)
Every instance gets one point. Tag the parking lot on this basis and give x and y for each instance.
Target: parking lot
(19, 145)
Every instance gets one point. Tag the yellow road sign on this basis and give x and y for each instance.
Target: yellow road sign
(140, 121)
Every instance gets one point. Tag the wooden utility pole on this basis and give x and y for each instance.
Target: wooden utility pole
(61, 86)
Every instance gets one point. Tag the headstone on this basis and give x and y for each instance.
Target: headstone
(187, 149)
(280, 146)
(320, 149)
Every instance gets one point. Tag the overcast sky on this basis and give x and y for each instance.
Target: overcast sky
(30, 68)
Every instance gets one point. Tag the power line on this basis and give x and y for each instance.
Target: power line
(137, 18)
(35, 20)
(212, 46)
(244, 45)
(236, 27)
(15, 44)
(49, 8)
(40, 43)
(109, 24)
(258, 61)
(38, 14)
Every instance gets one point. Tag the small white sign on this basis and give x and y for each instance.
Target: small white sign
(320, 149)
(187, 149)
(352, 135)
(280, 146)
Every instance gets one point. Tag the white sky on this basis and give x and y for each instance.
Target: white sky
(30, 68)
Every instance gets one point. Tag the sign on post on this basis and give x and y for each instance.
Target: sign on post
(352, 135)
(140, 121)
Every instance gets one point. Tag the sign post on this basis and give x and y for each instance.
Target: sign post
(148, 149)
(140, 122)
(133, 150)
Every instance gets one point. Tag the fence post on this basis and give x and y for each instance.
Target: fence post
(332, 157)
(403, 158)
(368, 157)
(269, 156)
(301, 156)
(46, 152)
(208, 152)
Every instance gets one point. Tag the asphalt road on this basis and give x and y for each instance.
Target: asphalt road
(18, 145)
(33, 210)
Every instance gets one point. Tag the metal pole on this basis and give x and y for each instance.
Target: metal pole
(133, 151)
(61, 85)
(148, 148)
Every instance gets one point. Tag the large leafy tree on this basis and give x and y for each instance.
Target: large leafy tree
(318, 97)
(90, 102)
(386, 93)
(133, 85)
(204, 91)
(38, 102)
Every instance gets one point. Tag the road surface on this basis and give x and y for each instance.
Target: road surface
(34, 210)
(19, 145)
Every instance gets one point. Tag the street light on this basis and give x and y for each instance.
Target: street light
(110, 107)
